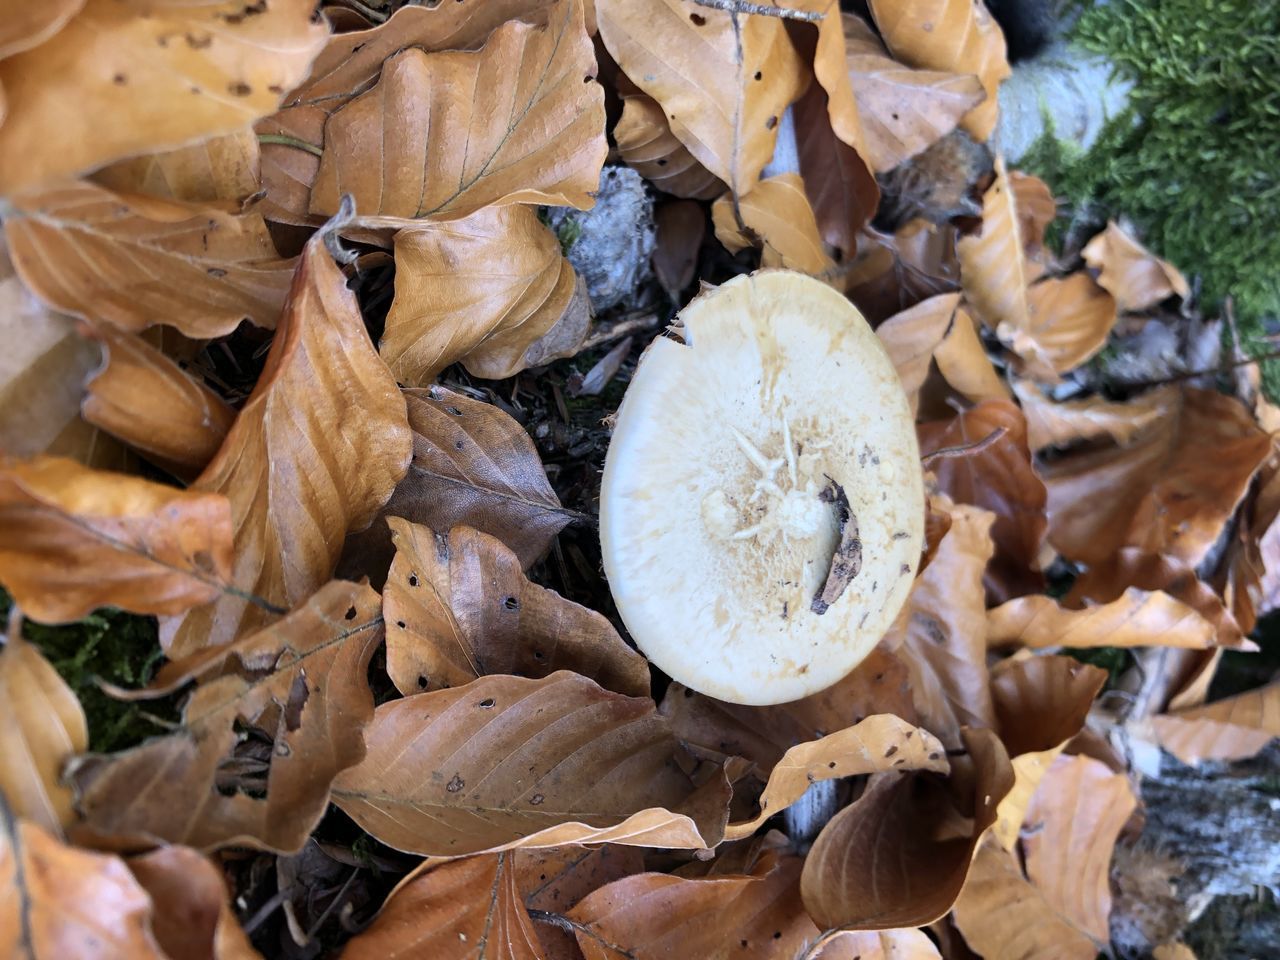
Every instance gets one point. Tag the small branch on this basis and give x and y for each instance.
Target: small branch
(1192, 374)
(964, 449)
(623, 328)
(572, 927)
(281, 140)
(761, 9)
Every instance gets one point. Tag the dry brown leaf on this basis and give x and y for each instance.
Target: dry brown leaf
(957, 36)
(913, 336)
(556, 878)
(74, 539)
(219, 168)
(136, 261)
(993, 263)
(941, 629)
(646, 143)
(166, 75)
(656, 915)
(776, 214)
(898, 856)
(1005, 917)
(442, 135)
(27, 25)
(904, 944)
(681, 226)
(1229, 729)
(301, 681)
(877, 744)
(145, 399)
(963, 362)
(1068, 321)
(1072, 826)
(1040, 704)
(1036, 210)
(472, 466)
(313, 455)
(1062, 424)
(1169, 491)
(1134, 276)
(192, 917)
(1137, 618)
(999, 478)
(466, 909)
(41, 727)
(508, 762)
(1173, 951)
(58, 901)
(480, 290)
(459, 607)
(895, 272)
(903, 111)
(722, 89)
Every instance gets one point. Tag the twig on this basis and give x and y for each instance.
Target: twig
(622, 328)
(964, 449)
(761, 9)
(572, 927)
(281, 140)
(1192, 374)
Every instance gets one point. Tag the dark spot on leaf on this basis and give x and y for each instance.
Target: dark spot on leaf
(511, 603)
(216, 272)
(662, 161)
(771, 123)
(119, 79)
(698, 19)
(935, 755)
(777, 934)
(539, 655)
(275, 88)
(422, 682)
(459, 445)
(831, 765)
(198, 42)
(536, 799)
(759, 75)
(891, 751)
(413, 579)
(239, 89)
(456, 784)
(400, 624)
(351, 613)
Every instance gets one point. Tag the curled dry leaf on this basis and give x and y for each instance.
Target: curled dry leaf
(74, 539)
(472, 466)
(1072, 826)
(999, 478)
(877, 744)
(1068, 321)
(168, 75)
(957, 36)
(1133, 275)
(59, 901)
(903, 111)
(219, 168)
(963, 362)
(41, 727)
(904, 944)
(1170, 490)
(656, 915)
(465, 909)
(722, 88)
(192, 917)
(898, 856)
(1137, 618)
(314, 454)
(556, 878)
(300, 682)
(1062, 424)
(1229, 729)
(1036, 210)
(776, 213)
(508, 762)
(145, 399)
(442, 135)
(894, 272)
(993, 263)
(29, 25)
(480, 290)
(459, 607)
(648, 146)
(136, 261)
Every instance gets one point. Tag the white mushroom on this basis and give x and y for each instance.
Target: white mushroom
(762, 511)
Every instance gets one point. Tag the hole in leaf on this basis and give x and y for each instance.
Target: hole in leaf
(413, 579)
(759, 75)
(422, 682)
(511, 603)
(351, 614)
(487, 703)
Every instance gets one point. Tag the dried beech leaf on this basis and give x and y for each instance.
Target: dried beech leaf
(145, 399)
(1068, 321)
(459, 607)
(1173, 951)
(1169, 491)
(656, 915)
(895, 272)
(877, 744)
(472, 466)
(957, 36)
(59, 901)
(904, 944)
(903, 111)
(301, 681)
(313, 455)
(27, 25)
(166, 75)
(136, 261)
(74, 539)
(1062, 424)
(442, 135)
(555, 879)
(999, 478)
(220, 168)
(192, 916)
(993, 263)
(1004, 916)
(465, 909)
(963, 362)
(898, 856)
(1137, 618)
(508, 762)
(681, 226)
(479, 290)
(41, 727)
(1036, 210)
(648, 146)
(722, 89)
(912, 336)
(1134, 276)
(1229, 729)
(776, 214)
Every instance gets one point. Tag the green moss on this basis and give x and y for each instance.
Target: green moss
(1195, 161)
(118, 647)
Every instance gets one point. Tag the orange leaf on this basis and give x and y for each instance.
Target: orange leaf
(555, 879)
(313, 455)
(777, 214)
(74, 539)
(27, 25)
(1230, 729)
(993, 264)
(1134, 619)
(895, 272)
(1068, 321)
(220, 168)
(1062, 424)
(1036, 210)
(647, 144)
(1135, 277)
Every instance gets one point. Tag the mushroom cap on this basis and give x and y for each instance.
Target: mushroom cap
(732, 457)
